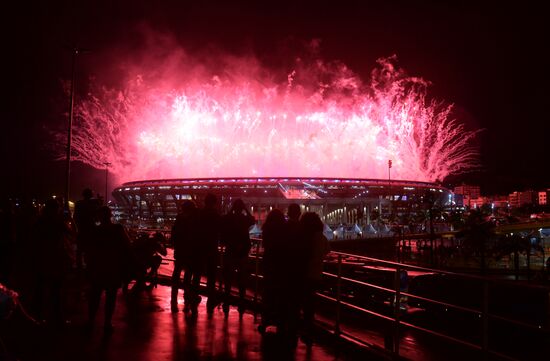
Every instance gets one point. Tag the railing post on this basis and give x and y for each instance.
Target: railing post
(485, 320)
(398, 249)
(221, 279)
(396, 311)
(338, 295)
(257, 271)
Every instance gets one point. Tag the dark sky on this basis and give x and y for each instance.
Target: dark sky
(488, 59)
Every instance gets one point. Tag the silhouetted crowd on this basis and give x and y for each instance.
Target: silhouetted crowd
(42, 246)
(294, 248)
(35, 256)
(206, 245)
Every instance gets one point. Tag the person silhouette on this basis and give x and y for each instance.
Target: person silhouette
(187, 255)
(283, 272)
(274, 232)
(85, 216)
(209, 236)
(50, 260)
(236, 239)
(317, 247)
(108, 260)
(295, 249)
(147, 252)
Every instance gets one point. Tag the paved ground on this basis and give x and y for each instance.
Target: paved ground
(145, 329)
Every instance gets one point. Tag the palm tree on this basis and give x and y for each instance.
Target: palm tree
(456, 219)
(512, 244)
(476, 234)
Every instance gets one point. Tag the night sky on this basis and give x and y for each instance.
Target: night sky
(486, 59)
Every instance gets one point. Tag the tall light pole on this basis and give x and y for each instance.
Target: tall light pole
(70, 128)
(389, 183)
(75, 52)
(107, 164)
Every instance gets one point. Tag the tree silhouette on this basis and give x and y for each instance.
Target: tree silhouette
(512, 244)
(478, 235)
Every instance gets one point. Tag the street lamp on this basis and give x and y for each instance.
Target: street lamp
(389, 183)
(75, 51)
(106, 164)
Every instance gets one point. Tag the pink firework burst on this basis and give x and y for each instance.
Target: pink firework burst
(321, 121)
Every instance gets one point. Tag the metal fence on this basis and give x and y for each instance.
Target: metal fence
(469, 311)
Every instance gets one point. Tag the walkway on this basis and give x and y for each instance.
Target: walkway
(145, 329)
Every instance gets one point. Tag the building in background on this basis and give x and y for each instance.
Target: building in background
(467, 195)
(543, 197)
(518, 199)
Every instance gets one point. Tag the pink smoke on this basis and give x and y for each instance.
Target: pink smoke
(174, 118)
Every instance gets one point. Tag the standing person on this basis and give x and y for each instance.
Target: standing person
(187, 254)
(210, 229)
(50, 259)
(318, 247)
(292, 270)
(85, 216)
(236, 239)
(108, 260)
(274, 234)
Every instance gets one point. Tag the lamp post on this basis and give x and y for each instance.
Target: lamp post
(107, 164)
(75, 52)
(389, 183)
(390, 210)
(70, 129)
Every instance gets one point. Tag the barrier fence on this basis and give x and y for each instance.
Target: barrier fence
(472, 312)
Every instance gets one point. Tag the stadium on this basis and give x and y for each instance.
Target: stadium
(339, 201)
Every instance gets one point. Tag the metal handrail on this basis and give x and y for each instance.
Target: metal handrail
(355, 307)
(444, 272)
(416, 327)
(256, 256)
(389, 290)
(362, 283)
(484, 313)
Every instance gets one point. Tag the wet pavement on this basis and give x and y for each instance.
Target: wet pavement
(146, 329)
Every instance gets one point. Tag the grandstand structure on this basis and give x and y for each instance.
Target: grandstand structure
(155, 203)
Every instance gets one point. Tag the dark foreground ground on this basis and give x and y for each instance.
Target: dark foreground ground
(146, 329)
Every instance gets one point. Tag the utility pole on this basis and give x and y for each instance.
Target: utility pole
(75, 52)
(70, 129)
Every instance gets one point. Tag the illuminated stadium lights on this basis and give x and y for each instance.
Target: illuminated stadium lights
(345, 201)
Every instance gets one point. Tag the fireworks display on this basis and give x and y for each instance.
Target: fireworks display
(321, 120)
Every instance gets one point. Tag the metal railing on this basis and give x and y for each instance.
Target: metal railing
(396, 293)
(389, 308)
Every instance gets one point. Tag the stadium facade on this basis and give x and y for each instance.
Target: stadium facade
(155, 203)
